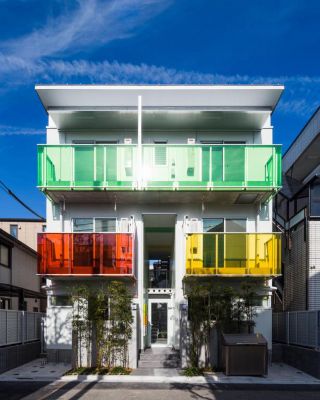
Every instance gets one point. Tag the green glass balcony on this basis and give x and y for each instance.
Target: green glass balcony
(162, 167)
(215, 167)
(87, 167)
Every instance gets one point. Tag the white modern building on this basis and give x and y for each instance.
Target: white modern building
(152, 185)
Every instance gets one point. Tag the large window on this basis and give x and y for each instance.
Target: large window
(105, 225)
(94, 225)
(4, 255)
(83, 225)
(213, 225)
(224, 250)
(315, 199)
(212, 244)
(224, 225)
(236, 225)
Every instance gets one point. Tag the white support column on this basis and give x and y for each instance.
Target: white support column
(139, 142)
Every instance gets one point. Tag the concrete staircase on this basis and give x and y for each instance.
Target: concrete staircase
(159, 357)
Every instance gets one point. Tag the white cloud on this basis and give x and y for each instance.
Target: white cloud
(92, 22)
(6, 130)
(301, 94)
(39, 55)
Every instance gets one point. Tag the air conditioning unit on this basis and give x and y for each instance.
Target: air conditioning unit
(127, 141)
(191, 141)
(194, 225)
(124, 225)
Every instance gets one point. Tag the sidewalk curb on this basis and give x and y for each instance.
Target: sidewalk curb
(182, 381)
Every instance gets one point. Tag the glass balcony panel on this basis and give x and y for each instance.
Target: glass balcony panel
(164, 167)
(236, 254)
(54, 251)
(216, 166)
(86, 166)
(85, 254)
(234, 165)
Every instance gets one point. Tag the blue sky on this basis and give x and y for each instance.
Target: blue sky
(146, 41)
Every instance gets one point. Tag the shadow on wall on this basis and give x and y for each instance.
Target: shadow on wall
(58, 334)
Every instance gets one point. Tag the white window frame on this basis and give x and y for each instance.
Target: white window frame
(94, 224)
(224, 223)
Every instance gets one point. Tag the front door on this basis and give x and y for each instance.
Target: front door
(158, 317)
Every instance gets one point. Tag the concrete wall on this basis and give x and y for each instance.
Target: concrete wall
(13, 356)
(58, 336)
(307, 360)
(58, 328)
(172, 136)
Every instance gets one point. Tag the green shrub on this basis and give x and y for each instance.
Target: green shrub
(192, 371)
(119, 371)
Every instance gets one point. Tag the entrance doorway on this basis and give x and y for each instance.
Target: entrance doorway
(160, 315)
(159, 272)
(159, 250)
(159, 323)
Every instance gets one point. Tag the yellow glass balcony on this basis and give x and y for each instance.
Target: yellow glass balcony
(233, 254)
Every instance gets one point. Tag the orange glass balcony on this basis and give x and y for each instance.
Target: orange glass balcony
(109, 254)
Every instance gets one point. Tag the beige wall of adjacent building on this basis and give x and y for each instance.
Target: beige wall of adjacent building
(27, 230)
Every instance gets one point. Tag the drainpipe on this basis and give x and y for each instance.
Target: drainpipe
(139, 142)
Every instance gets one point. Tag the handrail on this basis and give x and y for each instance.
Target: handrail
(236, 254)
(164, 166)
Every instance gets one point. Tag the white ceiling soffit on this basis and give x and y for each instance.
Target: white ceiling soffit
(166, 120)
(105, 96)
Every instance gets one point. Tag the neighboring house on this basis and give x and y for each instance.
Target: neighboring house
(24, 229)
(297, 213)
(153, 185)
(20, 286)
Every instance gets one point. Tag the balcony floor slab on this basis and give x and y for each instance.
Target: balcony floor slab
(156, 196)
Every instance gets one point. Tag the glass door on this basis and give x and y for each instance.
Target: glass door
(159, 323)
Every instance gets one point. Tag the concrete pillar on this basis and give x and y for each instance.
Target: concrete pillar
(133, 342)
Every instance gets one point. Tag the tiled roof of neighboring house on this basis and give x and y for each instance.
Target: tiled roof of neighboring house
(22, 220)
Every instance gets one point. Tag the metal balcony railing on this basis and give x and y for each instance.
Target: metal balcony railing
(85, 254)
(233, 254)
(162, 167)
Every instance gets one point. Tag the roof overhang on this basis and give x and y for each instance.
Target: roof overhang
(303, 156)
(125, 96)
(164, 107)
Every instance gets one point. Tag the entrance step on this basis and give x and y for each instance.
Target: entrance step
(159, 358)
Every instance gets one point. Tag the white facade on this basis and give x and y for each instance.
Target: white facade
(159, 219)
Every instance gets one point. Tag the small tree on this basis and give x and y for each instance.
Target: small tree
(198, 318)
(208, 307)
(220, 307)
(244, 306)
(98, 315)
(80, 326)
(120, 330)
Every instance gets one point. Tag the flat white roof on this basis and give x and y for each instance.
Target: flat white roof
(80, 97)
